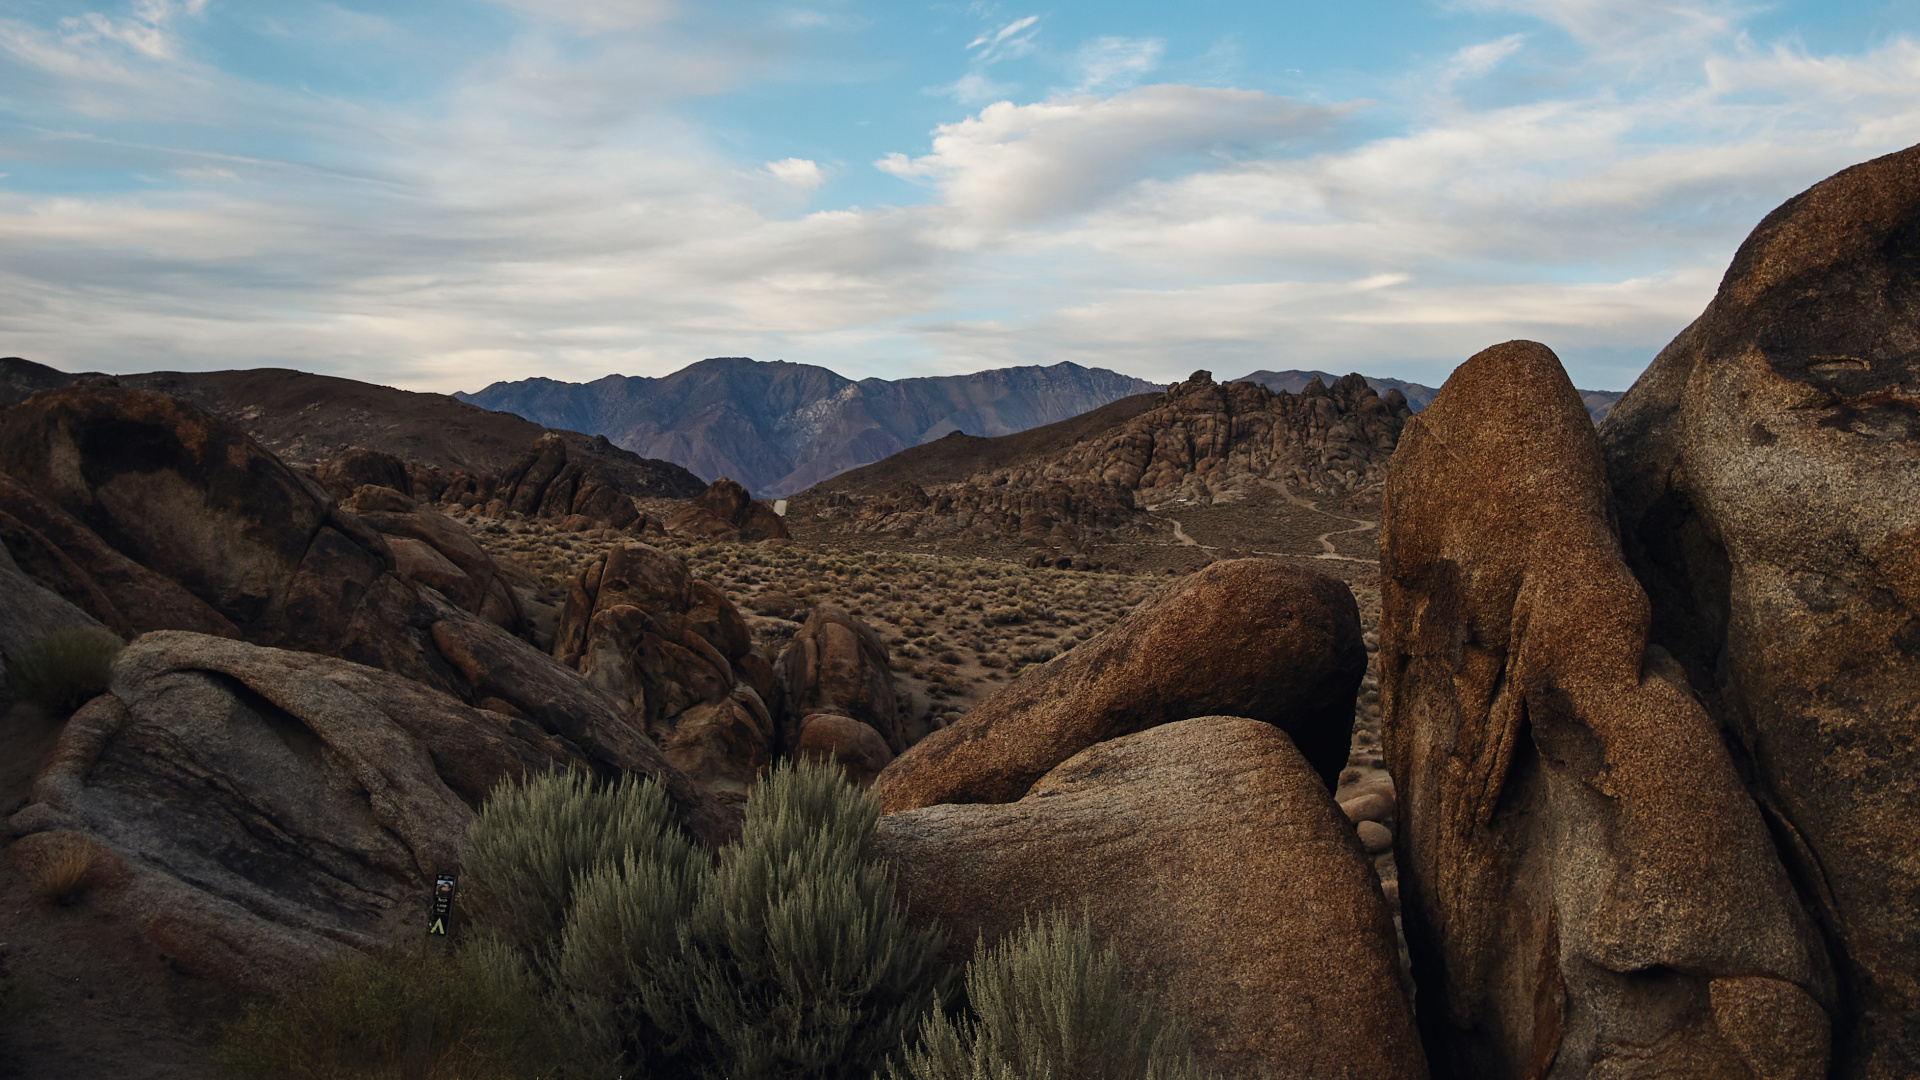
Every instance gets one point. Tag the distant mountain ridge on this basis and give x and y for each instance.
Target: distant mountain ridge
(779, 427)
(1598, 402)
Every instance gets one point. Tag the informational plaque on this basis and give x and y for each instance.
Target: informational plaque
(442, 904)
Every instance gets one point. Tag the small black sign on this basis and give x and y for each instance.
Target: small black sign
(442, 904)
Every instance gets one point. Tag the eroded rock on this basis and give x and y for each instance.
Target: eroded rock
(1580, 866)
(837, 664)
(1243, 637)
(726, 512)
(1210, 857)
(1764, 470)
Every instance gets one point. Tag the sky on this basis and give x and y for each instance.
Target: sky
(439, 194)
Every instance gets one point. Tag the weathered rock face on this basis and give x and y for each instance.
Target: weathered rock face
(28, 611)
(1763, 470)
(1587, 888)
(726, 512)
(1245, 637)
(837, 664)
(255, 808)
(1203, 441)
(547, 482)
(675, 653)
(436, 551)
(1208, 856)
(856, 747)
(65, 556)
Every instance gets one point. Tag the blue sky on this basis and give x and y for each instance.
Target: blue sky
(440, 194)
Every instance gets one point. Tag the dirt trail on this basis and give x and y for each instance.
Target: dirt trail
(1325, 539)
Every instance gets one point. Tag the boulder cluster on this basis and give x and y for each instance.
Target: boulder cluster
(1651, 696)
(1203, 441)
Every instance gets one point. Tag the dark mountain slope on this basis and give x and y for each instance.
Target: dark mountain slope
(779, 427)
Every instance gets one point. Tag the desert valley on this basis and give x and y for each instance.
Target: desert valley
(1360, 729)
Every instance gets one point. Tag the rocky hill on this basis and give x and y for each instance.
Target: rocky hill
(1597, 402)
(305, 419)
(1096, 479)
(778, 427)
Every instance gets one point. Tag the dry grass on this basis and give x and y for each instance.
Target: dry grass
(64, 868)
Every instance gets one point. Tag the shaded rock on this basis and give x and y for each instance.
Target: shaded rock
(837, 664)
(1254, 636)
(1763, 469)
(726, 512)
(439, 552)
(53, 548)
(263, 807)
(673, 652)
(548, 482)
(360, 467)
(1206, 854)
(29, 611)
(858, 749)
(1578, 860)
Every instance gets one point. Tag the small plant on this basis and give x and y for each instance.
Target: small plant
(63, 867)
(1043, 1005)
(475, 1014)
(63, 670)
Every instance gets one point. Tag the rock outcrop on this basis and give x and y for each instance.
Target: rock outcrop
(1586, 886)
(1764, 469)
(1207, 854)
(1244, 637)
(1203, 442)
(29, 610)
(548, 482)
(837, 664)
(436, 551)
(725, 511)
(676, 655)
(254, 809)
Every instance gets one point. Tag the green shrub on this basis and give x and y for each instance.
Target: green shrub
(474, 1014)
(802, 963)
(1045, 1006)
(65, 669)
(535, 841)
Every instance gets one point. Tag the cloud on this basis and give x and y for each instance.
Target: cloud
(1114, 62)
(1474, 61)
(798, 172)
(1011, 40)
(595, 16)
(1017, 164)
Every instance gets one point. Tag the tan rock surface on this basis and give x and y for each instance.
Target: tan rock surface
(1579, 863)
(1246, 637)
(835, 663)
(1208, 855)
(1764, 470)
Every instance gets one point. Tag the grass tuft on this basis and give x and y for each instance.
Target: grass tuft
(63, 670)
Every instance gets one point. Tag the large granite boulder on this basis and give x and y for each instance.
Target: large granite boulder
(253, 809)
(1209, 856)
(1242, 637)
(438, 552)
(1586, 886)
(725, 511)
(837, 664)
(677, 656)
(1764, 471)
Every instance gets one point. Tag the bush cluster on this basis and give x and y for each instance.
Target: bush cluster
(603, 943)
(63, 670)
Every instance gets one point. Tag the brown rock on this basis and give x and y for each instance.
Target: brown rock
(1578, 860)
(1763, 469)
(856, 747)
(726, 512)
(837, 664)
(1250, 636)
(1374, 837)
(1208, 857)
(360, 467)
(53, 548)
(673, 652)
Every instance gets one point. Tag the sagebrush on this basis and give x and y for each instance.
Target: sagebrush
(63, 670)
(1044, 1005)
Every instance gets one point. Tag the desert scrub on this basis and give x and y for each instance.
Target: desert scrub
(63, 867)
(787, 957)
(1043, 1005)
(63, 670)
(475, 1014)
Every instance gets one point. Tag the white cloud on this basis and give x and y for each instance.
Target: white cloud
(1011, 40)
(1115, 62)
(798, 172)
(972, 88)
(1474, 61)
(595, 16)
(1015, 164)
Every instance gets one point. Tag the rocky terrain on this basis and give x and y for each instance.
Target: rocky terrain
(777, 427)
(1590, 756)
(1597, 402)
